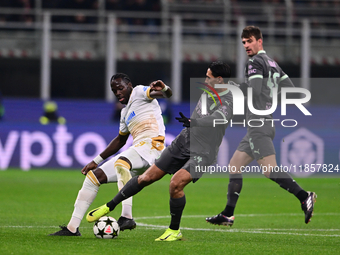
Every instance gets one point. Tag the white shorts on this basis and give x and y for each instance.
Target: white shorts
(141, 155)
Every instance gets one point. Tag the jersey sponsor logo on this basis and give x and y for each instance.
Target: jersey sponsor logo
(272, 63)
(132, 114)
(250, 67)
(251, 71)
(145, 88)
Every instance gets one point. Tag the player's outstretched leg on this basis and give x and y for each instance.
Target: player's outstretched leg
(97, 213)
(307, 198)
(170, 235)
(65, 232)
(308, 206)
(131, 188)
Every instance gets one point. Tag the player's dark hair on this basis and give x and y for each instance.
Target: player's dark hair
(219, 68)
(122, 76)
(250, 31)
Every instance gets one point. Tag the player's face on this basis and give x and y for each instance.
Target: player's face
(252, 45)
(122, 90)
(210, 79)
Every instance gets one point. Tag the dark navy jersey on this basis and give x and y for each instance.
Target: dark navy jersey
(204, 139)
(263, 74)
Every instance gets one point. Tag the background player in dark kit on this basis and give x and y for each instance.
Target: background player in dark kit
(262, 75)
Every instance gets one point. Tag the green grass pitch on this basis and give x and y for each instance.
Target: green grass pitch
(268, 220)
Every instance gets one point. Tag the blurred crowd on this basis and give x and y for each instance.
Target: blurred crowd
(119, 5)
(314, 9)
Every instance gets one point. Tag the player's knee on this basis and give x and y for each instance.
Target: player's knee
(97, 176)
(121, 166)
(176, 186)
(145, 179)
(92, 179)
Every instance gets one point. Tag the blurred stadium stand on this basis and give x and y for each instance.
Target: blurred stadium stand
(71, 58)
(144, 40)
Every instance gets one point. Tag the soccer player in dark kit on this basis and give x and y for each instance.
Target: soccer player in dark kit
(262, 75)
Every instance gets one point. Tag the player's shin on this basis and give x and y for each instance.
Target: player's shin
(86, 195)
(131, 188)
(123, 176)
(176, 209)
(286, 182)
(234, 190)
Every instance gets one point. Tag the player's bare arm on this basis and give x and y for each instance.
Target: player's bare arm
(114, 146)
(160, 90)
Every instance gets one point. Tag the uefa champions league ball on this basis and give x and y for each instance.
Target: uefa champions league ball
(106, 227)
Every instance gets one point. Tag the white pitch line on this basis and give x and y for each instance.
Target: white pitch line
(151, 226)
(240, 215)
(227, 230)
(234, 230)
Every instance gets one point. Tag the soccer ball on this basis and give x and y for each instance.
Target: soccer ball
(106, 227)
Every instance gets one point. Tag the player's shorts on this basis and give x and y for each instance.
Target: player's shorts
(258, 142)
(141, 155)
(174, 159)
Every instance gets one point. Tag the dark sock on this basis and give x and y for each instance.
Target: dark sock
(131, 188)
(302, 195)
(176, 209)
(286, 182)
(234, 190)
(228, 211)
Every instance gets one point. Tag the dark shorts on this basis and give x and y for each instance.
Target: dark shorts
(174, 158)
(258, 142)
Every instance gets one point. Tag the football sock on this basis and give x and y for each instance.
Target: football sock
(86, 195)
(302, 195)
(234, 189)
(176, 209)
(228, 211)
(131, 188)
(126, 204)
(286, 182)
(123, 176)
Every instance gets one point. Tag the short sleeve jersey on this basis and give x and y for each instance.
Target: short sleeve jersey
(263, 67)
(142, 116)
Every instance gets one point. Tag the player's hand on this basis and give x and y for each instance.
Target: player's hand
(184, 120)
(157, 85)
(88, 167)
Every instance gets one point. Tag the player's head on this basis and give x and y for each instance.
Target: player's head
(216, 72)
(252, 40)
(122, 87)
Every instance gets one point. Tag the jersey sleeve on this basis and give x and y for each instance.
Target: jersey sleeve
(123, 128)
(285, 81)
(143, 92)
